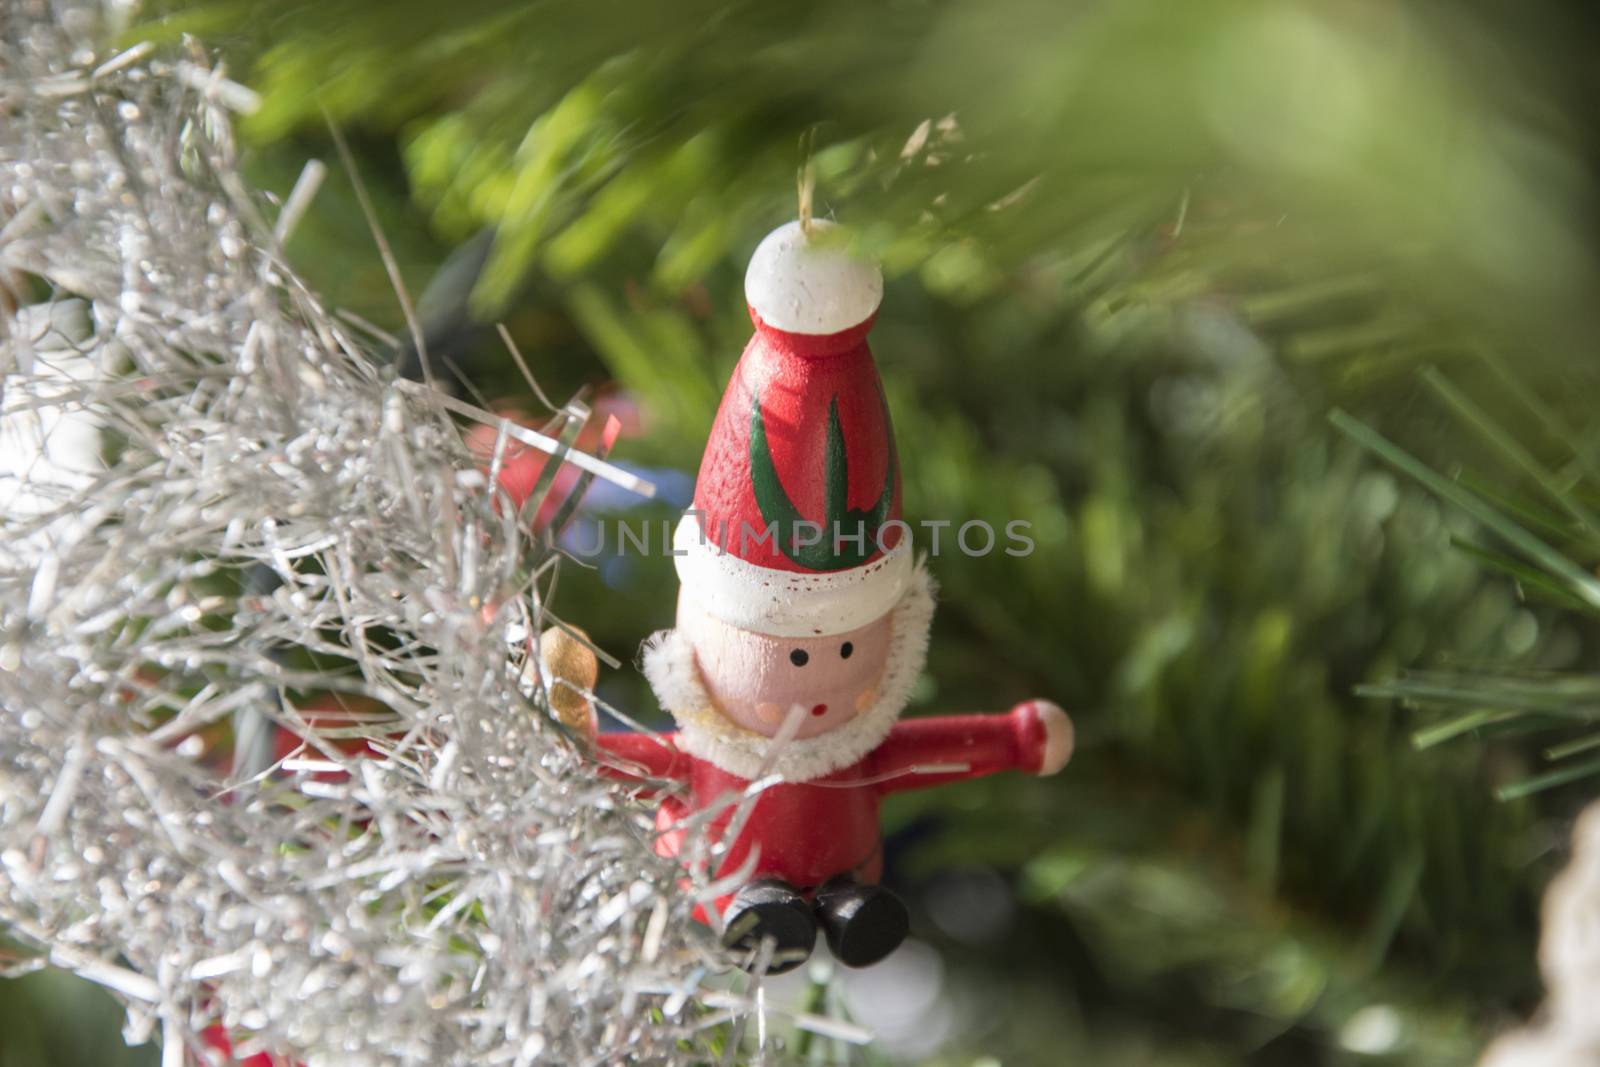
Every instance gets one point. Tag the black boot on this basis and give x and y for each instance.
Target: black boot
(864, 923)
(770, 910)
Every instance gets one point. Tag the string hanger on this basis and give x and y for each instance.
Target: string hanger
(806, 178)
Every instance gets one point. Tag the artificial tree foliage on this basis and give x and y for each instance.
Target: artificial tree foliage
(1135, 252)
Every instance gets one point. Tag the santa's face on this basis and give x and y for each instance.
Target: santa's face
(757, 680)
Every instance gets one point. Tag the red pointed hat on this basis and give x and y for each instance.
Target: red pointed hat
(796, 527)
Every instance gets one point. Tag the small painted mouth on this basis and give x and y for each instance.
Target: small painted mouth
(820, 709)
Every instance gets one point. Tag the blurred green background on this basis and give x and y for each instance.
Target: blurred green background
(1136, 252)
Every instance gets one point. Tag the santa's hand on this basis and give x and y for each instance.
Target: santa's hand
(1054, 733)
(569, 670)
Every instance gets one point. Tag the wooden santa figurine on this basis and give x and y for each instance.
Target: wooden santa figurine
(802, 625)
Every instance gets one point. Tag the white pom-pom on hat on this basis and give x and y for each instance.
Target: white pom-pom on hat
(811, 284)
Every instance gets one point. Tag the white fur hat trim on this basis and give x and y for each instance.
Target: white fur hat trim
(786, 603)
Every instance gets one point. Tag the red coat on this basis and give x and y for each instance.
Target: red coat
(807, 832)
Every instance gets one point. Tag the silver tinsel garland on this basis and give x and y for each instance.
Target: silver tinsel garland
(468, 892)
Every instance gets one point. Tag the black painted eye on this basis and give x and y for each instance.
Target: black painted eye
(845, 650)
(799, 658)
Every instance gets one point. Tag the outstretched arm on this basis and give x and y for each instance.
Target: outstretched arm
(633, 756)
(1035, 736)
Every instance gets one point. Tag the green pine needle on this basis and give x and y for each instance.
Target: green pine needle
(1540, 783)
(1559, 490)
(1583, 584)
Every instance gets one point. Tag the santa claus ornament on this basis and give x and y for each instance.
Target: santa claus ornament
(802, 625)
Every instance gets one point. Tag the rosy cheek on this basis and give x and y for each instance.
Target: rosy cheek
(769, 713)
(867, 698)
